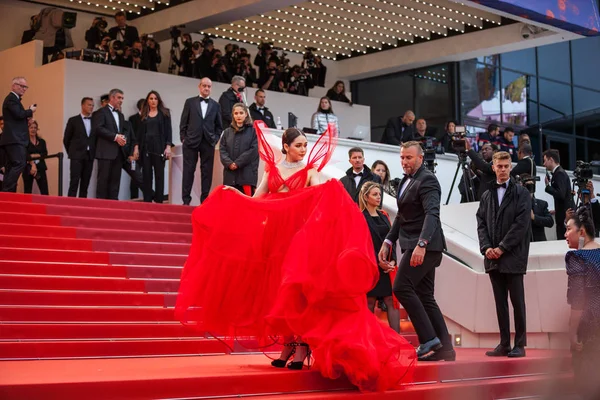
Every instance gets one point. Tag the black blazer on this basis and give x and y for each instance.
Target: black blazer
(193, 127)
(487, 176)
(15, 116)
(418, 214)
(542, 220)
(131, 34)
(76, 140)
(226, 101)
(525, 166)
(166, 132)
(136, 122)
(396, 132)
(267, 118)
(241, 148)
(350, 184)
(560, 189)
(506, 226)
(104, 130)
(40, 149)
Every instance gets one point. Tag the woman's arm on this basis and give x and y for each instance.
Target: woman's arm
(313, 177)
(263, 188)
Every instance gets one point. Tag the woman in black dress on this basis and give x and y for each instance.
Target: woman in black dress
(239, 152)
(155, 137)
(36, 167)
(379, 226)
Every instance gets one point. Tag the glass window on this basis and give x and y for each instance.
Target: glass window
(580, 149)
(514, 97)
(532, 104)
(490, 60)
(480, 94)
(522, 60)
(554, 62)
(593, 152)
(586, 100)
(555, 101)
(586, 59)
(432, 100)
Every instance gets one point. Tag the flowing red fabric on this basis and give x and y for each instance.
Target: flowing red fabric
(295, 263)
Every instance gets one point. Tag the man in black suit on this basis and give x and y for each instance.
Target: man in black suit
(259, 112)
(357, 175)
(108, 124)
(200, 129)
(418, 229)
(526, 164)
(504, 229)
(483, 166)
(15, 136)
(123, 32)
(540, 216)
(558, 187)
(80, 149)
(230, 97)
(399, 130)
(136, 120)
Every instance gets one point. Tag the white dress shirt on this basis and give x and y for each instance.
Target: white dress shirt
(404, 186)
(116, 117)
(501, 191)
(88, 126)
(358, 178)
(204, 106)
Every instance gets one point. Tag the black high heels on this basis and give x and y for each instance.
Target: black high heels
(298, 365)
(279, 363)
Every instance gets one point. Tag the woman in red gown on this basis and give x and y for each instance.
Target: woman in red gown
(295, 261)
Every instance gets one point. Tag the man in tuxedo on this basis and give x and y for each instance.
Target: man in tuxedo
(259, 112)
(230, 97)
(540, 216)
(123, 32)
(504, 229)
(135, 121)
(200, 129)
(358, 174)
(399, 130)
(108, 124)
(418, 230)
(559, 187)
(15, 136)
(80, 149)
(526, 164)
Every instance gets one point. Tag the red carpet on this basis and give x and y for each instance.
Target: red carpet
(89, 283)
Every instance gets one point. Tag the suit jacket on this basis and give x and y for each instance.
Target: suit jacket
(506, 226)
(15, 116)
(131, 34)
(350, 184)
(165, 130)
(76, 140)
(104, 130)
(542, 220)
(131, 139)
(487, 176)
(418, 214)
(193, 127)
(560, 189)
(226, 101)
(525, 166)
(396, 132)
(136, 122)
(267, 118)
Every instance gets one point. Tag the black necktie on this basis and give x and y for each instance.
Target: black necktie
(204, 100)
(501, 185)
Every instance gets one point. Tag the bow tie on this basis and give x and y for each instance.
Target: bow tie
(359, 174)
(260, 109)
(202, 99)
(87, 117)
(500, 185)
(113, 109)
(408, 176)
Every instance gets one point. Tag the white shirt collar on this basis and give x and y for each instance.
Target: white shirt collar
(554, 170)
(18, 97)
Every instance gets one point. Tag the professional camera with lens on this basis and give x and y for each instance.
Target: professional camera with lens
(428, 153)
(583, 173)
(459, 143)
(528, 182)
(100, 23)
(136, 53)
(309, 57)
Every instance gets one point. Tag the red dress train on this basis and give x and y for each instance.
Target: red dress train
(294, 263)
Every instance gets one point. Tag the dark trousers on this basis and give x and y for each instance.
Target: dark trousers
(40, 178)
(157, 163)
(109, 177)
(414, 288)
(136, 177)
(559, 217)
(503, 284)
(190, 160)
(81, 174)
(16, 160)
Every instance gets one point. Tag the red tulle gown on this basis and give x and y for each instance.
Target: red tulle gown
(293, 263)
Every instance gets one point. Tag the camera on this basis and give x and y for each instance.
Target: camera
(428, 153)
(100, 23)
(309, 57)
(528, 182)
(264, 46)
(583, 173)
(136, 53)
(459, 143)
(175, 31)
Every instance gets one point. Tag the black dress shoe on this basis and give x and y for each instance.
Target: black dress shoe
(440, 355)
(499, 351)
(517, 352)
(429, 346)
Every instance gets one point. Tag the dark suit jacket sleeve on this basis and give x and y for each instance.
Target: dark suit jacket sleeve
(521, 224)
(99, 126)
(69, 130)
(183, 124)
(394, 233)
(15, 108)
(219, 122)
(224, 152)
(563, 186)
(482, 229)
(429, 193)
(225, 108)
(168, 131)
(249, 155)
(480, 163)
(389, 134)
(522, 167)
(44, 148)
(544, 219)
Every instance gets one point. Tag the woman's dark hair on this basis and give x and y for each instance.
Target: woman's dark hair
(161, 106)
(288, 137)
(448, 124)
(320, 110)
(582, 219)
(247, 121)
(386, 181)
(335, 87)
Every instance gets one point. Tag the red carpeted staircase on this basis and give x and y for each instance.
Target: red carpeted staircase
(83, 279)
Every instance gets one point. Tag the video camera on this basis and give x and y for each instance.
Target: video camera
(309, 57)
(459, 143)
(583, 173)
(100, 23)
(428, 152)
(528, 182)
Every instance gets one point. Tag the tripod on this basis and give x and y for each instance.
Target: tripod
(462, 164)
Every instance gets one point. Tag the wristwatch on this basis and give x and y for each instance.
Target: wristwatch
(422, 244)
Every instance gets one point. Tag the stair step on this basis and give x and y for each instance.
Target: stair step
(75, 298)
(91, 270)
(33, 282)
(85, 314)
(109, 223)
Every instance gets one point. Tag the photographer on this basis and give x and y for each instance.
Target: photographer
(263, 56)
(319, 72)
(300, 81)
(94, 35)
(588, 200)
(139, 58)
(271, 80)
(230, 97)
(123, 32)
(446, 140)
(309, 62)
(206, 59)
(540, 216)
(115, 53)
(218, 70)
(194, 61)
(152, 54)
(245, 70)
(483, 166)
(526, 165)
